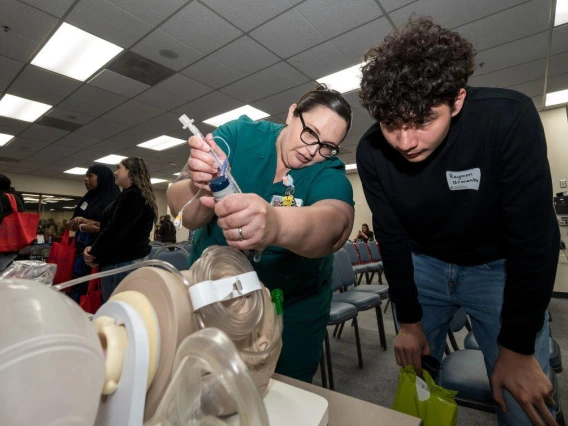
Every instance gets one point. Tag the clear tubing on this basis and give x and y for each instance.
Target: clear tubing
(168, 267)
(218, 262)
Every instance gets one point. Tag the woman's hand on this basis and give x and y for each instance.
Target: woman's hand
(257, 220)
(89, 260)
(91, 227)
(201, 164)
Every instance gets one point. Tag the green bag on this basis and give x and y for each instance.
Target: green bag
(425, 399)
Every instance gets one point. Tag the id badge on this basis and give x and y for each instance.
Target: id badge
(286, 201)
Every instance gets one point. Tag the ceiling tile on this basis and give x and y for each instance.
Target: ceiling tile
(531, 89)
(40, 158)
(361, 122)
(72, 116)
(78, 140)
(321, 60)
(135, 151)
(452, 13)
(200, 28)
(513, 53)
(116, 83)
(160, 99)
(85, 156)
(556, 83)
(31, 144)
(288, 34)
(248, 90)
(511, 76)
(280, 102)
(133, 113)
(134, 136)
(13, 150)
(212, 73)
(111, 23)
(148, 10)
(509, 25)
(208, 106)
(35, 93)
(538, 102)
(391, 5)
(183, 87)
(83, 107)
(245, 56)
(53, 7)
(11, 126)
(48, 80)
(342, 17)
(101, 128)
(8, 70)
(151, 46)
(558, 64)
(280, 76)
(162, 124)
(58, 151)
(32, 165)
(97, 97)
(353, 99)
(27, 22)
(559, 40)
(356, 43)
(239, 12)
(107, 147)
(17, 47)
(43, 133)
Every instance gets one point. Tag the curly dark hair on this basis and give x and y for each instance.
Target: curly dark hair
(140, 177)
(417, 67)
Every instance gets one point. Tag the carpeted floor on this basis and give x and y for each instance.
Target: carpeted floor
(376, 382)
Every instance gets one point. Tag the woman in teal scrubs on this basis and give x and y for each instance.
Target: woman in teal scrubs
(298, 234)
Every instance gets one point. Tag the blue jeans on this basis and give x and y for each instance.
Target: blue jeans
(108, 284)
(443, 288)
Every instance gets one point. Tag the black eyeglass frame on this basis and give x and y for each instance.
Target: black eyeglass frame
(333, 149)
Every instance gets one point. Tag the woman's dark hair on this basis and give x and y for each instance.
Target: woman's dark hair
(140, 177)
(328, 98)
(417, 67)
(366, 226)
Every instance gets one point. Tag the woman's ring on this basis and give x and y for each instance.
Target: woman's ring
(240, 231)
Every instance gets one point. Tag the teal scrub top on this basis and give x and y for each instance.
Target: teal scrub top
(253, 160)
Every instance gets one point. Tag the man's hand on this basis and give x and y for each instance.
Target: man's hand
(410, 345)
(522, 376)
(91, 227)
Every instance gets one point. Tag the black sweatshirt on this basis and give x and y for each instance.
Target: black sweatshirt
(125, 226)
(494, 158)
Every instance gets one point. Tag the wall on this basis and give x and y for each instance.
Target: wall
(555, 124)
(362, 211)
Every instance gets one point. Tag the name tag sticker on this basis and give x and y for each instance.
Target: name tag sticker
(466, 179)
(84, 205)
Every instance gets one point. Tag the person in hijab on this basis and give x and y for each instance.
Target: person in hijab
(5, 209)
(101, 191)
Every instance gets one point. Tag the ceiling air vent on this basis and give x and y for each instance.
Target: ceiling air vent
(139, 68)
(59, 124)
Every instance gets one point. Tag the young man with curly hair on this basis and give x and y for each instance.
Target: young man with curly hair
(459, 185)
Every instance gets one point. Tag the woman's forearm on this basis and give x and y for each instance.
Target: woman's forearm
(196, 214)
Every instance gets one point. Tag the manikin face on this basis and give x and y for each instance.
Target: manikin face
(417, 141)
(322, 122)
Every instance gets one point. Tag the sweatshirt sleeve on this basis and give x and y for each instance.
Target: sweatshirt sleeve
(530, 230)
(393, 240)
(129, 205)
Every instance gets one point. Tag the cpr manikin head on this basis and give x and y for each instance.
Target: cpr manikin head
(51, 361)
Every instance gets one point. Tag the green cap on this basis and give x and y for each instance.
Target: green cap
(277, 298)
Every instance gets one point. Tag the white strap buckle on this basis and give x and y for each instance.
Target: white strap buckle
(208, 292)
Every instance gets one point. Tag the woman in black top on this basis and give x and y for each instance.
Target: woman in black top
(125, 225)
(365, 233)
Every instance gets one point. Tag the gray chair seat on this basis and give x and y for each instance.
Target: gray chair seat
(555, 355)
(380, 289)
(374, 266)
(464, 371)
(361, 300)
(341, 311)
(469, 342)
(359, 269)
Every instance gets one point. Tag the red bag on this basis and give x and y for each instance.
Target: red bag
(63, 255)
(18, 229)
(93, 300)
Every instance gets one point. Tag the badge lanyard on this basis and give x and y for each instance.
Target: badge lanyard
(288, 198)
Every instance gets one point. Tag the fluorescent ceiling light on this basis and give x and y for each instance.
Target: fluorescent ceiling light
(4, 138)
(162, 142)
(556, 98)
(561, 14)
(22, 109)
(75, 53)
(177, 174)
(253, 113)
(344, 81)
(68, 207)
(156, 180)
(351, 167)
(76, 171)
(111, 159)
(31, 199)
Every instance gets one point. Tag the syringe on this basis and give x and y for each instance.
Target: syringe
(223, 166)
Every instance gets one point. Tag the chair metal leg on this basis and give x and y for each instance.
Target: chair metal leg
(358, 342)
(360, 278)
(340, 330)
(328, 359)
(381, 326)
(380, 277)
(322, 369)
(370, 279)
(387, 306)
(453, 340)
(467, 324)
(394, 318)
(447, 349)
(335, 330)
